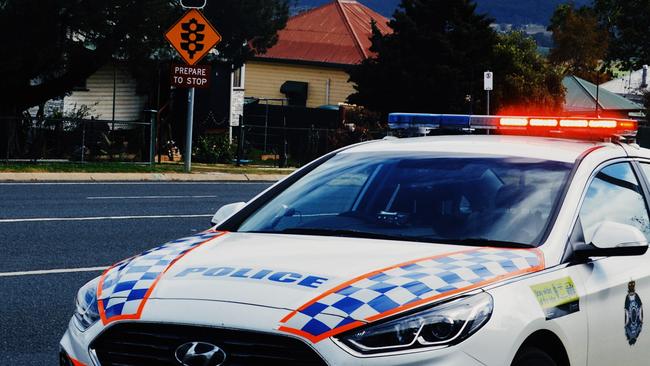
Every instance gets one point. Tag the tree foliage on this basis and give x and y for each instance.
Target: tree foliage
(435, 58)
(628, 24)
(525, 82)
(52, 46)
(581, 42)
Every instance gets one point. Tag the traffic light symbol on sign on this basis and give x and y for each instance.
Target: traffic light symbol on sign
(192, 37)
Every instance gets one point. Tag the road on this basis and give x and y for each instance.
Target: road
(53, 237)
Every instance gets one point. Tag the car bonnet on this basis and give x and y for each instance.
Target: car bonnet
(326, 284)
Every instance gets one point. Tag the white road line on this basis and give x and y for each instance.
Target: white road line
(45, 219)
(52, 271)
(144, 197)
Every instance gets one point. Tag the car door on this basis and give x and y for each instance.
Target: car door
(617, 288)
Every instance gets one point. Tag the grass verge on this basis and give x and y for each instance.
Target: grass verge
(111, 167)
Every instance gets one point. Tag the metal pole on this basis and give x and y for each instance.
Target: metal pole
(240, 141)
(152, 137)
(597, 94)
(114, 95)
(283, 158)
(488, 102)
(266, 125)
(6, 122)
(83, 141)
(188, 137)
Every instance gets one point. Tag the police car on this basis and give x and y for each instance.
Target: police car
(521, 241)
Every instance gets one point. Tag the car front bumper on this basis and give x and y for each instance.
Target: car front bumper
(76, 351)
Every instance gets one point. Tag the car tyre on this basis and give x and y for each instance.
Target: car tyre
(531, 356)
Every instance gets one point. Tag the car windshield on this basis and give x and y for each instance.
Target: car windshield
(471, 200)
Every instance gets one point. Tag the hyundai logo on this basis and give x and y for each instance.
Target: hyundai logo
(200, 354)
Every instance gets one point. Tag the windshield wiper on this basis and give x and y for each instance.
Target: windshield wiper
(483, 242)
(475, 242)
(343, 233)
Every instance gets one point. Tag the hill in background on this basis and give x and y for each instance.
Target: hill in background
(516, 12)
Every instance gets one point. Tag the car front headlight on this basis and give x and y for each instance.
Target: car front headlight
(442, 325)
(87, 313)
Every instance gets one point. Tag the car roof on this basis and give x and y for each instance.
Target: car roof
(542, 148)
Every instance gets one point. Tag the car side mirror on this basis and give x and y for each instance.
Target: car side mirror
(612, 239)
(226, 211)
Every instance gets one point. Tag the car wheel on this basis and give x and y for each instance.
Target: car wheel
(531, 356)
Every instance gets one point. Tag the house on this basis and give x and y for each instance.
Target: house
(582, 97)
(110, 94)
(307, 67)
(632, 86)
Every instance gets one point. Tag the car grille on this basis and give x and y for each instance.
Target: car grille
(135, 344)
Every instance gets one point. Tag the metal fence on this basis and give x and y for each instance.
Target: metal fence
(90, 140)
(643, 137)
(292, 146)
(78, 140)
(295, 146)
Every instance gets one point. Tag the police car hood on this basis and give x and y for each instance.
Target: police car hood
(325, 284)
(330, 280)
(287, 271)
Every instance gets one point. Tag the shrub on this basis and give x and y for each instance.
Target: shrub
(213, 149)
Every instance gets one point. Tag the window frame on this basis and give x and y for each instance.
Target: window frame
(643, 184)
(234, 223)
(242, 78)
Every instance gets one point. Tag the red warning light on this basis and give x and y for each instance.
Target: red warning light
(601, 127)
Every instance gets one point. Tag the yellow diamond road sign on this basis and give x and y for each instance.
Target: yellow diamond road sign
(193, 36)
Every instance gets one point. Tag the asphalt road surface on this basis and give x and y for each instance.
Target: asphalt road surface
(54, 237)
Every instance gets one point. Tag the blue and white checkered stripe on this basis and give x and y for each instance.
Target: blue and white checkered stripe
(414, 283)
(125, 285)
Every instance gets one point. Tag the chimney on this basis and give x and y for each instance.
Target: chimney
(644, 78)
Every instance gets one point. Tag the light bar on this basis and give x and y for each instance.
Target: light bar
(514, 122)
(543, 122)
(534, 126)
(603, 123)
(576, 123)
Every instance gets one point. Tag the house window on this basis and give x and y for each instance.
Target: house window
(238, 78)
(81, 86)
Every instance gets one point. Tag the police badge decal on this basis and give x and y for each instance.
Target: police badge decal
(633, 314)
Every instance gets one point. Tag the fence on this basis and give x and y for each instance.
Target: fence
(284, 143)
(295, 146)
(79, 140)
(643, 137)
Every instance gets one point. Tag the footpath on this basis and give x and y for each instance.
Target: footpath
(139, 177)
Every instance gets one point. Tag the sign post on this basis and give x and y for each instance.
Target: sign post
(188, 137)
(193, 37)
(488, 85)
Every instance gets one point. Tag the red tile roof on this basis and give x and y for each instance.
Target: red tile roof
(337, 32)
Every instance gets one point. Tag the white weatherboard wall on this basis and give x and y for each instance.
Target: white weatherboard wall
(99, 97)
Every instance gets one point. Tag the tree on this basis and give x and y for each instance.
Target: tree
(52, 46)
(581, 42)
(435, 58)
(525, 82)
(628, 24)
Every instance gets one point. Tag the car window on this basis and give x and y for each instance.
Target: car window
(417, 196)
(646, 170)
(614, 195)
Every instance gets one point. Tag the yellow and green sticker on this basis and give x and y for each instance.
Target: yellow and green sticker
(557, 298)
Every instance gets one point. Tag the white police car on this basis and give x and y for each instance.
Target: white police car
(450, 250)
